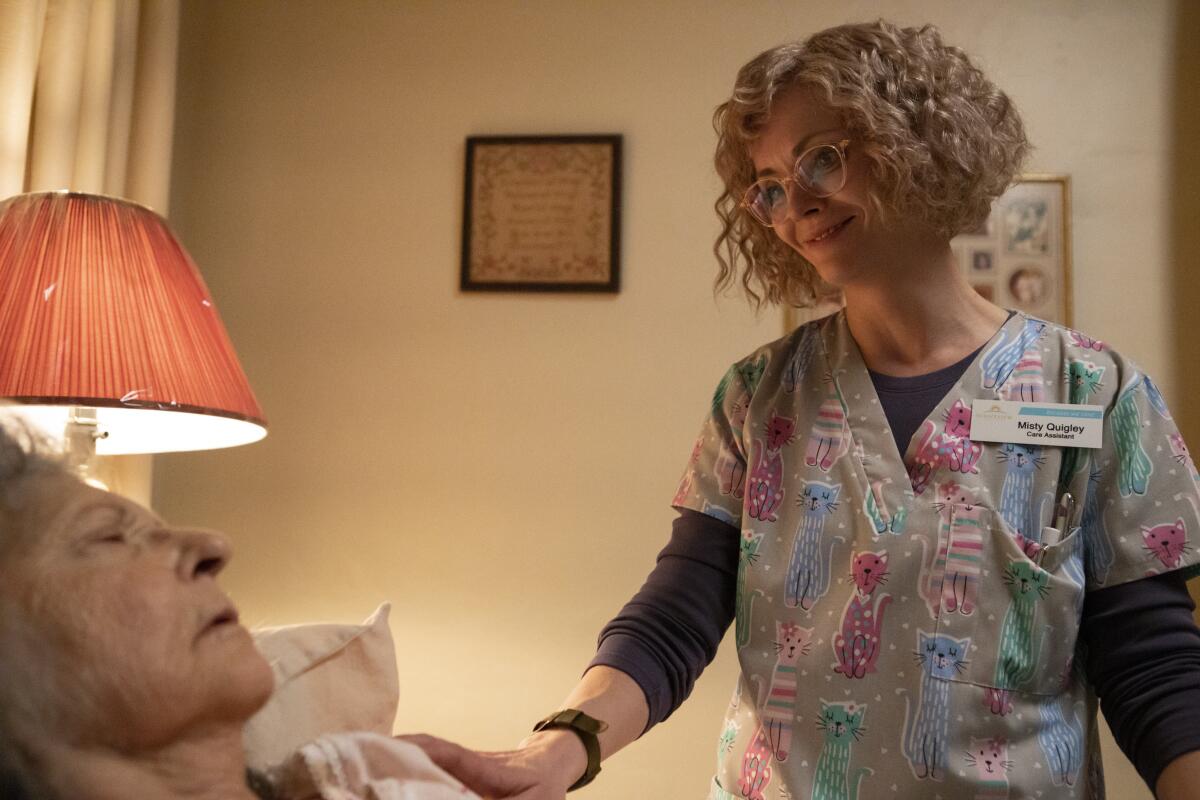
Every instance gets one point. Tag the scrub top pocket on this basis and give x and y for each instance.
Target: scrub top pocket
(1011, 606)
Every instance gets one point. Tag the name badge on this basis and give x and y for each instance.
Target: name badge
(1056, 424)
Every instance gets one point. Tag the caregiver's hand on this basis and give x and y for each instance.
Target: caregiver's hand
(542, 767)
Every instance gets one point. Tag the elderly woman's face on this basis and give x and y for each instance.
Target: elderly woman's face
(124, 616)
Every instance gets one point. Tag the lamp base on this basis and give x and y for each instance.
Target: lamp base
(80, 435)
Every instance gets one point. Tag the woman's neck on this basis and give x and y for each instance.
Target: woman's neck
(919, 314)
(209, 765)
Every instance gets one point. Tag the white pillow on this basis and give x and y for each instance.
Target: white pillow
(328, 679)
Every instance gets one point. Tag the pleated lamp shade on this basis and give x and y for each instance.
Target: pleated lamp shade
(101, 308)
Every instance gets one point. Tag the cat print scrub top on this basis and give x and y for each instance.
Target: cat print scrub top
(907, 627)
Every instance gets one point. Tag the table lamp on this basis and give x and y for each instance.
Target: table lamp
(109, 338)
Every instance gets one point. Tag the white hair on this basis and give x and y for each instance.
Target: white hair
(24, 453)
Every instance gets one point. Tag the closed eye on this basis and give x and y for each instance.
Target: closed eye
(106, 538)
(102, 522)
(113, 536)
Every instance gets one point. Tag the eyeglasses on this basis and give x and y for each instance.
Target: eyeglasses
(820, 171)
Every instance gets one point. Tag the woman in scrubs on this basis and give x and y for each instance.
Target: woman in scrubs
(921, 608)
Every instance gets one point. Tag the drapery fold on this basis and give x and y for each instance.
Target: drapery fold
(89, 96)
(87, 103)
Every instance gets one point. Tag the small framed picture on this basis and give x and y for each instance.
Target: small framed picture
(1027, 285)
(981, 261)
(542, 214)
(1031, 262)
(1026, 226)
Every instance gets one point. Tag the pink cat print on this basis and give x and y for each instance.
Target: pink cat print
(960, 452)
(952, 447)
(1086, 342)
(998, 701)
(685, 484)
(756, 767)
(764, 490)
(856, 646)
(989, 757)
(1167, 542)
(685, 489)
(925, 457)
(1179, 450)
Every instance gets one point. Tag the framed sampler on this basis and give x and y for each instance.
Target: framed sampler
(542, 214)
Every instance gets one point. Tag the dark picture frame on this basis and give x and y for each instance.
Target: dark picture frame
(542, 214)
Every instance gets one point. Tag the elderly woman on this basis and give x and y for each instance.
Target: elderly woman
(922, 607)
(125, 672)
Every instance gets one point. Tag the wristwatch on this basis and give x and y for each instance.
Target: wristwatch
(585, 728)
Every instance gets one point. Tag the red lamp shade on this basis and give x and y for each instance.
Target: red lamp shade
(100, 307)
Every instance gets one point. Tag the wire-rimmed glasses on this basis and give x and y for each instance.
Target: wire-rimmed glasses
(819, 170)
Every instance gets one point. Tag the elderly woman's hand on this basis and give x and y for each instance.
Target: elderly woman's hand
(541, 768)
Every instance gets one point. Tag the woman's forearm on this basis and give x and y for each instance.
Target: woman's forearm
(608, 695)
(547, 763)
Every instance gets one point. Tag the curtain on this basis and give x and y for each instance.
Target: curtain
(87, 103)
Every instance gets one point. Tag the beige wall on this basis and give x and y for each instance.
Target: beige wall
(1184, 191)
(500, 466)
(1184, 277)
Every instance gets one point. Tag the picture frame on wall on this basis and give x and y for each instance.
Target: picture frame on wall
(1021, 256)
(542, 214)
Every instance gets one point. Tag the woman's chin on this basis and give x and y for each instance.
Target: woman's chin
(836, 275)
(244, 681)
(260, 681)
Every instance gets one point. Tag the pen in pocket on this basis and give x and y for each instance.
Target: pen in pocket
(1062, 516)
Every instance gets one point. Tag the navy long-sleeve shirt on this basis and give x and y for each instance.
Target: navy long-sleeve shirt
(1141, 644)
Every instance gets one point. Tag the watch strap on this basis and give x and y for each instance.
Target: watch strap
(586, 728)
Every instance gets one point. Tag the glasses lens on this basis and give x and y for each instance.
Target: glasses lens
(821, 170)
(767, 201)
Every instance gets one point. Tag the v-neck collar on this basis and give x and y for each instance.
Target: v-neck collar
(873, 442)
(944, 377)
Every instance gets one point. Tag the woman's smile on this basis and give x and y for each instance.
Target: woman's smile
(829, 234)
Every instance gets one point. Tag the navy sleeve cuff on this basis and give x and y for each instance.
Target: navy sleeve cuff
(669, 632)
(1142, 655)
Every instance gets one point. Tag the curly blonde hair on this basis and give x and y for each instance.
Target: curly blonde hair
(941, 140)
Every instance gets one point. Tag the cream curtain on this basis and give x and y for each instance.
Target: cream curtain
(87, 102)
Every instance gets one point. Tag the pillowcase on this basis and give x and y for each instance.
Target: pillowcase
(329, 678)
(346, 766)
